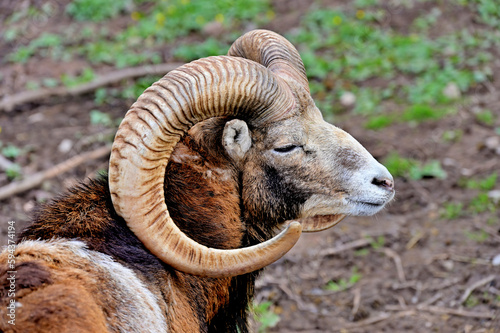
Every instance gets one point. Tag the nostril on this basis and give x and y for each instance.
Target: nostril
(384, 182)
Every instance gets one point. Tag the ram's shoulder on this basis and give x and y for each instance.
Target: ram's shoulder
(83, 212)
(74, 284)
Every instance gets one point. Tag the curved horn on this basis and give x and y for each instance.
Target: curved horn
(210, 87)
(274, 52)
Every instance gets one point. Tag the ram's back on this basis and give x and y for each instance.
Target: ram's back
(62, 286)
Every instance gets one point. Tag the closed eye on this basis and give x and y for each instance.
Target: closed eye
(286, 149)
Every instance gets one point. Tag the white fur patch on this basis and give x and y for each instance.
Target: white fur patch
(137, 307)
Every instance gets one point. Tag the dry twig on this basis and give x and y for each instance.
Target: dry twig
(415, 239)
(293, 296)
(356, 302)
(432, 300)
(404, 312)
(37, 178)
(443, 310)
(413, 284)
(491, 231)
(5, 164)
(397, 261)
(346, 246)
(9, 102)
(474, 286)
(459, 258)
(373, 320)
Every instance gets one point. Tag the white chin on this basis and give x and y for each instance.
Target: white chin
(364, 209)
(323, 205)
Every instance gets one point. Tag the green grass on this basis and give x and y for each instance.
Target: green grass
(87, 75)
(104, 119)
(341, 49)
(452, 210)
(430, 169)
(361, 252)
(485, 184)
(100, 118)
(96, 10)
(375, 244)
(349, 47)
(481, 204)
(378, 122)
(486, 117)
(265, 316)
(135, 89)
(378, 242)
(488, 11)
(479, 236)
(414, 114)
(472, 301)
(13, 172)
(210, 47)
(454, 135)
(420, 112)
(142, 39)
(400, 166)
(11, 151)
(344, 283)
(151, 26)
(47, 45)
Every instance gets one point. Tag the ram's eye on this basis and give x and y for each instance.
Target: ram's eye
(286, 149)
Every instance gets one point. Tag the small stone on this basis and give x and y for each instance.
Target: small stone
(213, 29)
(65, 146)
(347, 99)
(35, 118)
(493, 142)
(27, 207)
(449, 162)
(494, 196)
(452, 91)
(476, 109)
(466, 172)
(448, 265)
(496, 260)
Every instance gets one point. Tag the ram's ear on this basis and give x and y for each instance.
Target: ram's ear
(236, 139)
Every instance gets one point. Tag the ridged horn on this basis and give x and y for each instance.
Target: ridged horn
(272, 51)
(209, 87)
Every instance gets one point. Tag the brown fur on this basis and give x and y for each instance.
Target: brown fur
(203, 198)
(55, 293)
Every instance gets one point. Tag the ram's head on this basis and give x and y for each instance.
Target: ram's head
(293, 165)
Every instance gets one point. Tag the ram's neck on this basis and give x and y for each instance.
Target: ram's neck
(202, 192)
(202, 197)
(200, 155)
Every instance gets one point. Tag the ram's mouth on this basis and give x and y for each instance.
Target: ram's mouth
(368, 203)
(366, 207)
(320, 222)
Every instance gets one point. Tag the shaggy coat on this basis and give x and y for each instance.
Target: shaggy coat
(80, 268)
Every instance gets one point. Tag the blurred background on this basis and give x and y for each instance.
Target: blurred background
(417, 82)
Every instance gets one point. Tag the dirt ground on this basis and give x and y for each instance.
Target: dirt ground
(419, 272)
